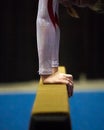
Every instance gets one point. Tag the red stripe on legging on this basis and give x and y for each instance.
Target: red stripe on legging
(50, 11)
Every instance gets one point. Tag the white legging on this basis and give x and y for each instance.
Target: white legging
(48, 35)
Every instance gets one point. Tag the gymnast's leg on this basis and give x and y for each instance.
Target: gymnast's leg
(48, 35)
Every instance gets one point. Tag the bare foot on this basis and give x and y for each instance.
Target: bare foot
(60, 78)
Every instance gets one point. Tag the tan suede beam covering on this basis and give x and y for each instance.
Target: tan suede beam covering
(51, 98)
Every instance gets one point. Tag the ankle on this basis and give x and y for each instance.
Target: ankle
(54, 70)
(43, 77)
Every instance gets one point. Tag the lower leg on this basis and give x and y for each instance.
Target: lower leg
(57, 77)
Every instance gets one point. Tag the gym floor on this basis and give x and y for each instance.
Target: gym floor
(86, 105)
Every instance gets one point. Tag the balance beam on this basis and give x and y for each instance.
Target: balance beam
(51, 109)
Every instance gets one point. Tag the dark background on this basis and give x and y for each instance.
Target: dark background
(81, 43)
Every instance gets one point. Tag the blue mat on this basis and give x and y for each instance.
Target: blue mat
(15, 111)
(87, 111)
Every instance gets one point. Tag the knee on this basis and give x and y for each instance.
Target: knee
(43, 21)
